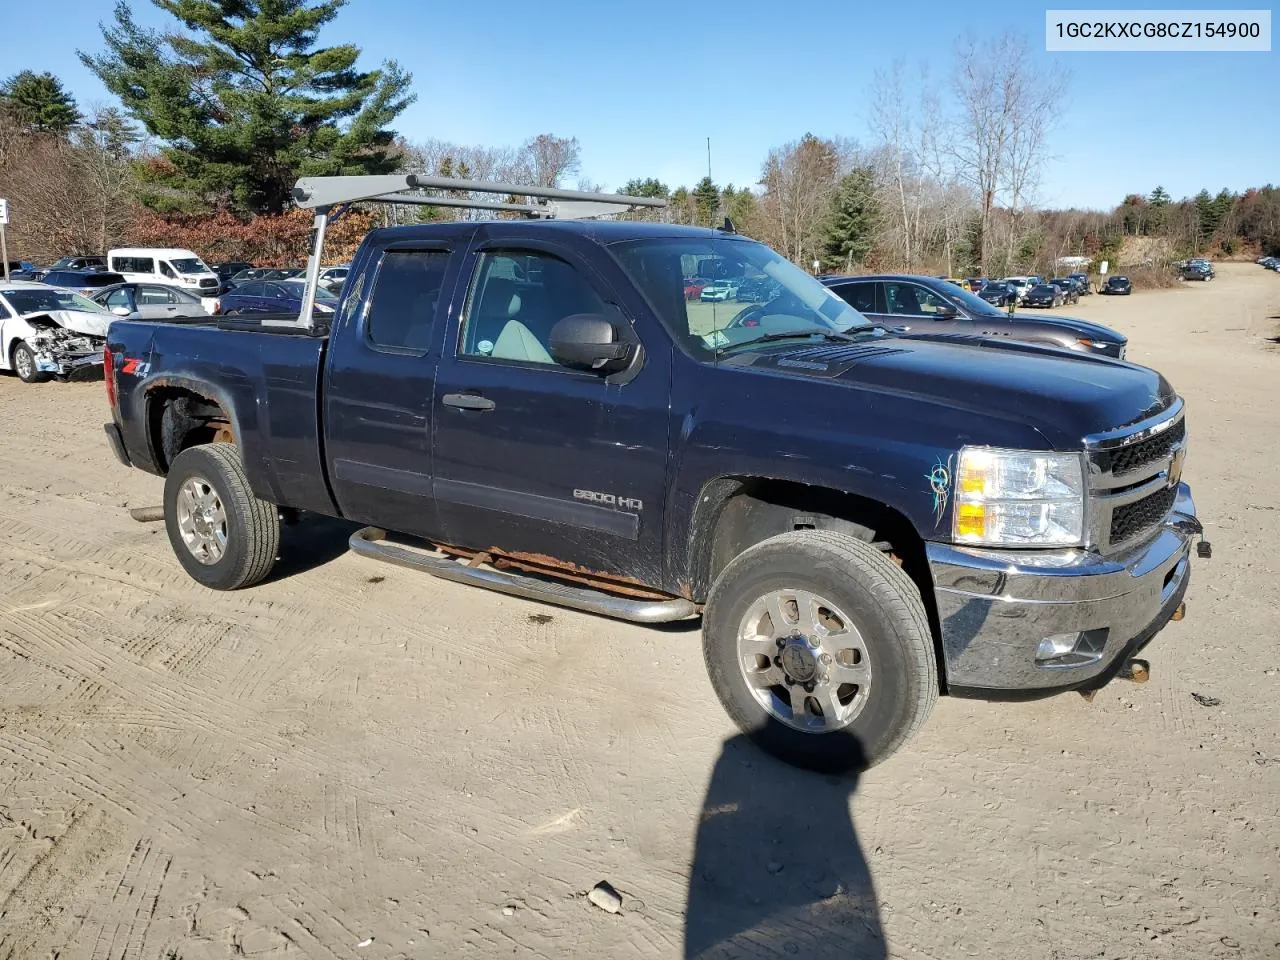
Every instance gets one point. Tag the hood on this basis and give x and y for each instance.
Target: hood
(1094, 331)
(78, 321)
(1065, 396)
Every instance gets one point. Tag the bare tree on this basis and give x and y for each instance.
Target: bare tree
(894, 125)
(799, 180)
(1006, 110)
(546, 159)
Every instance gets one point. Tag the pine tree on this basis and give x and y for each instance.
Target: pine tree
(706, 196)
(245, 102)
(1159, 198)
(649, 187)
(852, 222)
(38, 103)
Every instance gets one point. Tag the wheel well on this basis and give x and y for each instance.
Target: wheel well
(735, 513)
(178, 418)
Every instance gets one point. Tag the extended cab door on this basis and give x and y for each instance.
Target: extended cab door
(535, 457)
(379, 387)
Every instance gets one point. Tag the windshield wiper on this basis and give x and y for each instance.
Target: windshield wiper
(828, 335)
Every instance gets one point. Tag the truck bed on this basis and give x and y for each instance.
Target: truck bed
(267, 377)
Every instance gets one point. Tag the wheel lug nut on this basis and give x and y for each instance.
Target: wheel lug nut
(777, 661)
(781, 643)
(825, 658)
(809, 687)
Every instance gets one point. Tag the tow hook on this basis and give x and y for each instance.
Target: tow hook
(1138, 671)
(1194, 528)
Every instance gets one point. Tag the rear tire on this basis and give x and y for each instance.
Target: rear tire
(224, 536)
(861, 605)
(23, 361)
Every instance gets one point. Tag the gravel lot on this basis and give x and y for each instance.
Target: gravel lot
(355, 761)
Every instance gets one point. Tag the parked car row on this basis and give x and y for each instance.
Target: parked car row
(1270, 263)
(171, 266)
(1032, 291)
(1196, 268)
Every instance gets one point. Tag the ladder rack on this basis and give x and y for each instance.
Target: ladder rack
(324, 194)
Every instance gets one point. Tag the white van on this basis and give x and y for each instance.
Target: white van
(167, 265)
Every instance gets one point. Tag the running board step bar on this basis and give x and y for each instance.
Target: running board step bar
(372, 542)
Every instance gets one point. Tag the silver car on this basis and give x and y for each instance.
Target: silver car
(149, 301)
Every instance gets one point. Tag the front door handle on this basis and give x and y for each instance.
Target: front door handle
(468, 401)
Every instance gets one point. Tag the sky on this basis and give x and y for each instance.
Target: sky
(643, 85)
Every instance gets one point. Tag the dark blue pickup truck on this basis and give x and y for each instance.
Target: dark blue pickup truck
(862, 520)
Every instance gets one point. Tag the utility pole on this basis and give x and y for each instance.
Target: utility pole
(708, 158)
(4, 243)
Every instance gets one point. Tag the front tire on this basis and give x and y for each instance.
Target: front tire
(224, 536)
(24, 365)
(819, 649)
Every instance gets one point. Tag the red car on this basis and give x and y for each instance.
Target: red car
(693, 288)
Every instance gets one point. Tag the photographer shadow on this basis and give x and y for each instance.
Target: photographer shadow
(777, 869)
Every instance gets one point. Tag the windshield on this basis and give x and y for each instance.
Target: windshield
(189, 266)
(974, 303)
(296, 288)
(40, 301)
(750, 292)
(1042, 289)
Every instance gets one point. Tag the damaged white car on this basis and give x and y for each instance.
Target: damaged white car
(49, 332)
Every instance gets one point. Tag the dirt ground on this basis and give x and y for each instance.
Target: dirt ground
(355, 761)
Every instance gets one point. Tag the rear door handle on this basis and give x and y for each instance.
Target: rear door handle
(468, 401)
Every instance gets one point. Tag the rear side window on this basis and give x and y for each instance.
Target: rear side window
(860, 296)
(155, 295)
(101, 279)
(403, 301)
(250, 290)
(133, 265)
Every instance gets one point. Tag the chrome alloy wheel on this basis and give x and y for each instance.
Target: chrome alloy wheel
(23, 365)
(804, 661)
(202, 520)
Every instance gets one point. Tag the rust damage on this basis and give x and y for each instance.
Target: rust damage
(541, 563)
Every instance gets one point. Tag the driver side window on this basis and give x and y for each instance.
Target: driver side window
(517, 297)
(119, 298)
(902, 300)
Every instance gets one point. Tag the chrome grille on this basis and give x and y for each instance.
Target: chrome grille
(1134, 519)
(1133, 478)
(1138, 455)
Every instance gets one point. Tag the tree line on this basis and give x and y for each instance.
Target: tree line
(217, 120)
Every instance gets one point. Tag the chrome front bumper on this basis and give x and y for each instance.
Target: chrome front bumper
(996, 606)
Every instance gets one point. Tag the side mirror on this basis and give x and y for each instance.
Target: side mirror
(589, 341)
(945, 312)
(120, 311)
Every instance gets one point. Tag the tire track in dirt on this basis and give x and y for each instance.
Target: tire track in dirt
(66, 873)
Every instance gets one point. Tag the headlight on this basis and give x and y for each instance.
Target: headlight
(1016, 498)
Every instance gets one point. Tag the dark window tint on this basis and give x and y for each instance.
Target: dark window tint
(4, 312)
(907, 299)
(518, 298)
(251, 290)
(101, 279)
(860, 296)
(133, 264)
(405, 293)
